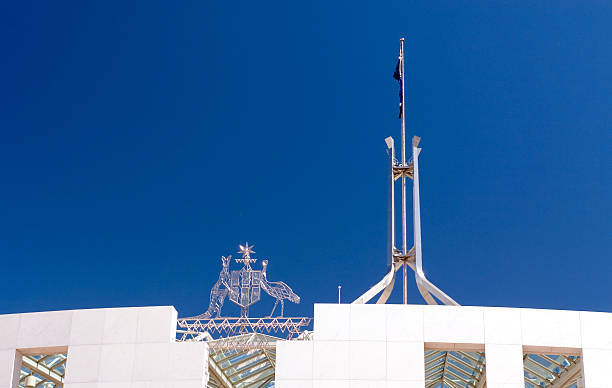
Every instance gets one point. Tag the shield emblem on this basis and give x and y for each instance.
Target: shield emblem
(245, 287)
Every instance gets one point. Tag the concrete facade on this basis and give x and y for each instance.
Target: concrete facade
(360, 346)
(354, 346)
(119, 348)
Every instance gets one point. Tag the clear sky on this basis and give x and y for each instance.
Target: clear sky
(143, 140)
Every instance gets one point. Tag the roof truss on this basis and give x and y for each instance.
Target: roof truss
(453, 369)
(47, 370)
(551, 371)
(243, 365)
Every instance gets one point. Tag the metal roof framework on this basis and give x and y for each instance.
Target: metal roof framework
(243, 365)
(462, 369)
(195, 329)
(47, 370)
(454, 369)
(249, 361)
(552, 371)
(242, 349)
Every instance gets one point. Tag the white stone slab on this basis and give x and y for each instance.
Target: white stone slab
(504, 364)
(156, 324)
(120, 326)
(87, 327)
(151, 362)
(331, 321)
(294, 360)
(404, 322)
(7, 362)
(197, 383)
(331, 360)
(82, 364)
(293, 383)
(188, 360)
(406, 361)
(368, 322)
(82, 385)
(116, 384)
(453, 324)
(551, 328)
(331, 384)
(46, 329)
(9, 330)
(596, 330)
(116, 362)
(596, 365)
(366, 383)
(367, 360)
(153, 384)
(405, 384)
(502, 325)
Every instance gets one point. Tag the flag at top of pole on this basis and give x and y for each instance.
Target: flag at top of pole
(399, 76)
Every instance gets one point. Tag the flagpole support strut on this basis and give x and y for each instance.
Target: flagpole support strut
(403, 258)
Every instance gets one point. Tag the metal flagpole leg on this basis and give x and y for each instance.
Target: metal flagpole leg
(403, 257)
(426, 288)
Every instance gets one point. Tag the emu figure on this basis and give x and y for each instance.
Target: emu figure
(278, 290)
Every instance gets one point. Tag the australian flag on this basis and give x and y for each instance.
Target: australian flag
(398, 76)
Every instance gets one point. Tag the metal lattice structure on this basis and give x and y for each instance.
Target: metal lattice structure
(244, 286)
(243, 349)
(241, 356)
(251, 365)
(463, 369)
(454, 369)
(212, 330)
(44, 371)
(551, 370)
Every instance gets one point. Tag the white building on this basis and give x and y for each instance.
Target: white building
(358, 345)
(127, 347)
(419, 346)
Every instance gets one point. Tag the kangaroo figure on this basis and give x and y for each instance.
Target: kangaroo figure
(278, 290)
(219, 291)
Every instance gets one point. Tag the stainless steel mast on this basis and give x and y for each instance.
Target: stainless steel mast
(404, 230)
(405, 258)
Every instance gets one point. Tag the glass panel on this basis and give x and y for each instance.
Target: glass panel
(242, 364)
(453, 369)
(542, 370)
(43, 371)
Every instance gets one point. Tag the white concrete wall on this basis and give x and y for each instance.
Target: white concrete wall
(119, 348)
(383, 345)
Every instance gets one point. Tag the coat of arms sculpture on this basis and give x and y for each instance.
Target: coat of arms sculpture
(244, 286)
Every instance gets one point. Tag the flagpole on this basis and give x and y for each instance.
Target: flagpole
(404, 231)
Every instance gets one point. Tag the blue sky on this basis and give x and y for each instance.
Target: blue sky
(143, 140)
